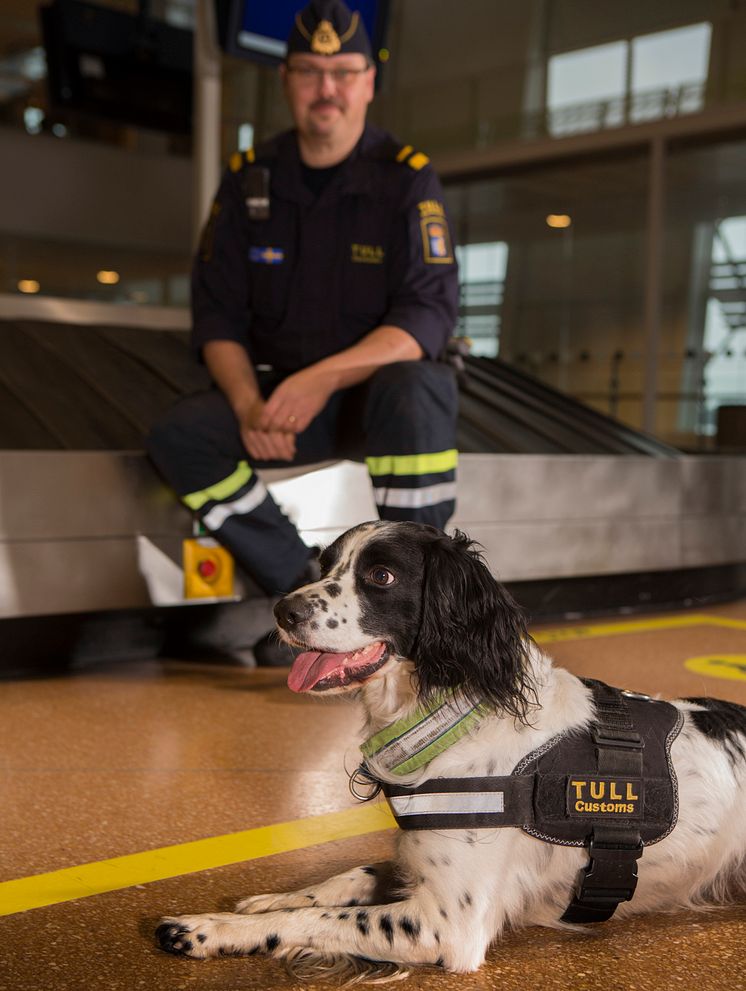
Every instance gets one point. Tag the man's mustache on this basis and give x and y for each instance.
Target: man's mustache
(323, 104)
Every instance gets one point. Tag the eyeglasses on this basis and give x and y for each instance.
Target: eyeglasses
(310, 74)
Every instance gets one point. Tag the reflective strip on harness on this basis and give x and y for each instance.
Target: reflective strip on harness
(415, 740)
(463, 803)
(459, 804)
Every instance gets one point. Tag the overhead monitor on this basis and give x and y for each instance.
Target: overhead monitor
(258, 29)
(121, 66)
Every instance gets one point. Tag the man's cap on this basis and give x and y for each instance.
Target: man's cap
(329, 27)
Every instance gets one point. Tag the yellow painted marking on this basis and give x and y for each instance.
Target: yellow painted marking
(71, 883)
(730, 667)
(187, 858)
(594, 630)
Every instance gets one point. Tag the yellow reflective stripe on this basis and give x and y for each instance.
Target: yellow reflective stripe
(404, 152)
(250, 156)
(413, 464)
(235, 161)
(220, 490)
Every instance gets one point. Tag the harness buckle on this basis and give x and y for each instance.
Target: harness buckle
(608, 879)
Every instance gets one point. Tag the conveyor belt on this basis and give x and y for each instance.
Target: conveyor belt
(70, 387)
(506, 411)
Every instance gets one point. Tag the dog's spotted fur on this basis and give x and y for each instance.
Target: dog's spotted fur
(447, 623)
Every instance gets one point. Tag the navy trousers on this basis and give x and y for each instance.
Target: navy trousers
(402, 421)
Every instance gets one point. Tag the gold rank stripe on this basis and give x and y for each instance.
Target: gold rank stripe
(72, 883)
(237, 159)
(415, 159)
(418, 161)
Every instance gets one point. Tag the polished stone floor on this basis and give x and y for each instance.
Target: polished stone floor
(101, 766)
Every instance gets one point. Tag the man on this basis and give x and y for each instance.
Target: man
(324, 290)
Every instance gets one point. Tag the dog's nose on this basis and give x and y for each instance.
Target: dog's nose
(292, 610)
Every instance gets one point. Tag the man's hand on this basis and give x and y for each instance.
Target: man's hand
(297, 401)
(265, 445)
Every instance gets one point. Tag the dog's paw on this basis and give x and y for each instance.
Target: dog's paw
(204, 936)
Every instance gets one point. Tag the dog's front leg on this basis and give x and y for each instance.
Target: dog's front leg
(413, 931)
(367, 885)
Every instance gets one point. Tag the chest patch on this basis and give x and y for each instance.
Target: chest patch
(367, 254)
(266, 255)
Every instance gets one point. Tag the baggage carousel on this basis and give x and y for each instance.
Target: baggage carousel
(577, 513)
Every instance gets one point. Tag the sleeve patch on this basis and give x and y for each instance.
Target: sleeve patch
(436, 238)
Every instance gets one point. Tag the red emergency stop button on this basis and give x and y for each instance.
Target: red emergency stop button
(207, 569)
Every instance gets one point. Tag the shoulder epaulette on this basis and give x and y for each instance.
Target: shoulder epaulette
(240, 158)
(414, 159)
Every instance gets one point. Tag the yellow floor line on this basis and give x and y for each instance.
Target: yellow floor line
(186, 858)
(593, 630)
(85, 880)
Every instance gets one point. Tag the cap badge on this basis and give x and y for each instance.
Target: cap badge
(325, 40)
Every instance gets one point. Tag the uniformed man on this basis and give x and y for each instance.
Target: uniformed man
(324, 292)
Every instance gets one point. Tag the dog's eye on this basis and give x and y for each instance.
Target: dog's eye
(381, 576)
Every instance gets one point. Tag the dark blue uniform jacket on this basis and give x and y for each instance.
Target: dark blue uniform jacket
(374, 248)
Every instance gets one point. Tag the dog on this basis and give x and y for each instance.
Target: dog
(403, 615)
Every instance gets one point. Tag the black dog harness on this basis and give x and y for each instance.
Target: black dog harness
(610, 787)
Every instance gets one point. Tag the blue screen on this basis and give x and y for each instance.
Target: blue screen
(272, 20)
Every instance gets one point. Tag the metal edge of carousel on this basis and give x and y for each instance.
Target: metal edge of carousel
(578, 514)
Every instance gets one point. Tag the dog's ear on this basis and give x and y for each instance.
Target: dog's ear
(472, 634)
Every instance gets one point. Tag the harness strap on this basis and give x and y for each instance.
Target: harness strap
(464, 803)
(610, 877)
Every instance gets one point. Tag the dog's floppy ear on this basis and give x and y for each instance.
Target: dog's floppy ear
(472, 634)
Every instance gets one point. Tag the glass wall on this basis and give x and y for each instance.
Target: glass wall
(703, 350)
(556, 272)
(562, 255)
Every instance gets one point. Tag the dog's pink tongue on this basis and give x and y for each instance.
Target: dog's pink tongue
(314, 666)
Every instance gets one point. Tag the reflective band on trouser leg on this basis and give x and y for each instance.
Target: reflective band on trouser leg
(418, 487)
(245, 518)
(224, 489)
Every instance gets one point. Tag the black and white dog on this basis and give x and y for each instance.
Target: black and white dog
(403, 615)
